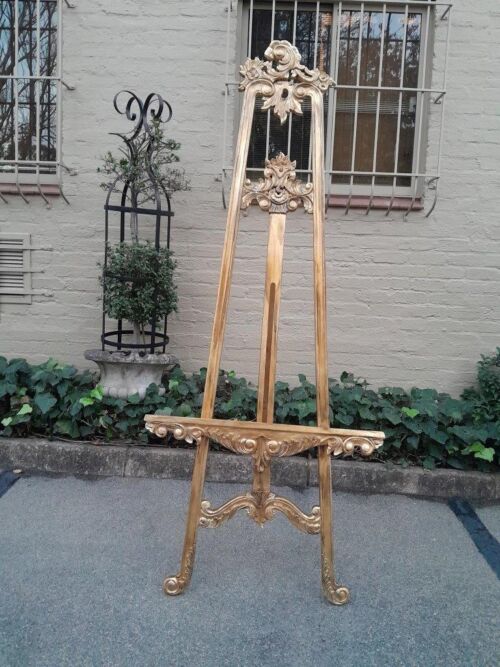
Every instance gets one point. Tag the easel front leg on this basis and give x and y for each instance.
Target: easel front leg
(333, 592)
(176, 585)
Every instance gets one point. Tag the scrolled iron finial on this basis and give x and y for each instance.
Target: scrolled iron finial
(142, 113)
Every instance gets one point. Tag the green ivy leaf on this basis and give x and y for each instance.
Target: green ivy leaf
(366, 413)
(7, 388)
(184, 410)
(487, 454)
(44, 402)
(66, 427)
(86, 400)
(97, 393)
(436, 452)
(435, 433)
(410, 412)
(392, 415)
(26, 409)
(345, 420)
(164, 411)
(7, 421)
(413, 441)
(429, 463)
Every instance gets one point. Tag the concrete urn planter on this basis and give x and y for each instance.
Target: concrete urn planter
(126, 373)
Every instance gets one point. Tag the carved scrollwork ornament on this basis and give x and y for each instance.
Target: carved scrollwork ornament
(279, 191)
(262, 447)
(365, 446)
(286, 78)
(260, 507)
(334, 593)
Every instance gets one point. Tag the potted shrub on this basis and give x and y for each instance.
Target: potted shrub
(137, 276)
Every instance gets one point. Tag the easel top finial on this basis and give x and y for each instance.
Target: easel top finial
(283, 78)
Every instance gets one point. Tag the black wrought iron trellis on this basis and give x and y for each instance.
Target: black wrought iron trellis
(145, 115)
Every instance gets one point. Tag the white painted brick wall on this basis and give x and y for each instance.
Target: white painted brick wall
(410, 303)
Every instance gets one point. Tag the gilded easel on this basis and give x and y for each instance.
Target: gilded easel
(283, 83)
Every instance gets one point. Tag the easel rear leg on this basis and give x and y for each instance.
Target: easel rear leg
(177, 584)
(333, 592)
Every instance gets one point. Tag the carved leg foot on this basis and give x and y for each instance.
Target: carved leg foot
(177, 585)
(333, 592)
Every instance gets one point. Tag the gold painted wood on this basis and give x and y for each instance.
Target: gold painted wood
(243, 437)
(261, 510)
(283, 83)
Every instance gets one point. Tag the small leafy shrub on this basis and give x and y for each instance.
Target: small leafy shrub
(422, 426)
(486, 396)
(139, 284)
(153, 156)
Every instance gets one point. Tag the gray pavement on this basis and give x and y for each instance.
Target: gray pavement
(81, 565)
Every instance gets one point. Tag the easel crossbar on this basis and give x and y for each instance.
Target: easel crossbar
(262, 440)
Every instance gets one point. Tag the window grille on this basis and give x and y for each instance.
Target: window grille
(384, 119)
(30, 95)
(15, 268)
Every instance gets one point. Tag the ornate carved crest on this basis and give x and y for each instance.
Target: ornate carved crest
(285, 85)
(279, 191)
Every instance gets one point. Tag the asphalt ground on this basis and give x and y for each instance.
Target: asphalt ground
(82, 562)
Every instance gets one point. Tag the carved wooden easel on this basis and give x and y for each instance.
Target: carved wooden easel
(284, 83)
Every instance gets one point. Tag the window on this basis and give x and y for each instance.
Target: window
(376, 118)
(29, 91)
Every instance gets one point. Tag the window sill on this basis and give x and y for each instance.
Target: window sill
(376, 203)
(27, 189)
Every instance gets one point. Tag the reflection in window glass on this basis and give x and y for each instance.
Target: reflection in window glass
(295, 132)
(35, 121)
(387, 117)
(373, 49)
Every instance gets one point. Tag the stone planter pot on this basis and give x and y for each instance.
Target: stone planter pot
(130, 372)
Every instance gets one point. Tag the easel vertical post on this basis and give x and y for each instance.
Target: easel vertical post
(269, 338)
(334, 593)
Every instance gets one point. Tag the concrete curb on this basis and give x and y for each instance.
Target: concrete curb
(76, 458)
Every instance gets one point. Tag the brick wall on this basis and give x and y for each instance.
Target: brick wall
(410, 303)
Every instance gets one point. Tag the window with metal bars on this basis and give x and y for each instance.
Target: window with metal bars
(376, 117)
(30, 91)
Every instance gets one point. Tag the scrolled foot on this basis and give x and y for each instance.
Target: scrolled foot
(174, 585)
(177, 585)
(335, 594)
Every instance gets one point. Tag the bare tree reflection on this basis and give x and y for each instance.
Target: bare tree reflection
(397, 34)
(36, 123)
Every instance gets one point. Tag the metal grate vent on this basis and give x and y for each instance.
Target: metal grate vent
(15, 268)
